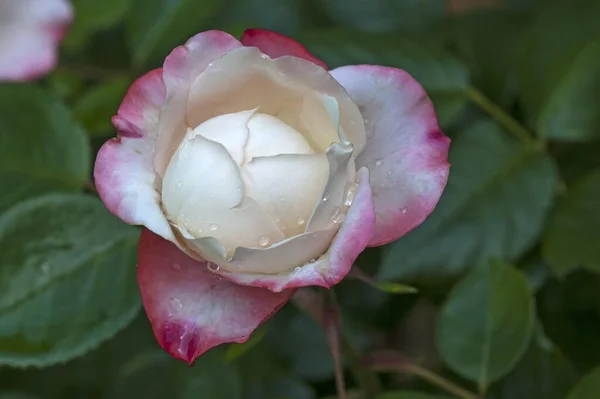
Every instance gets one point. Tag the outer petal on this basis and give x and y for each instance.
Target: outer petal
(181, 68)
(192, 310)
(406, 152)
(276, 45)
(123, 172)
(29, 34)
(353, 237)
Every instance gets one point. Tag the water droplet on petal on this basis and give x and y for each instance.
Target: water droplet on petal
(325, 199)
(297, 270)
(179, 184)
(229, 258)
(390, 173)
(239, 189)
(350, 194)
(176, 266)
(378, 162)
(213, 227)
(300, 221)
(403, 210)
(263, 241)
(313, 260)
(338, 215)
(212, 267)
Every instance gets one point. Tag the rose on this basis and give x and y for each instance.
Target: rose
(255, 171)
(29, 33)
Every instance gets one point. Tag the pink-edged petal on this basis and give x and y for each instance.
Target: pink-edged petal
(123, 172)
(406, 152)
(352, 238)
(30, 31)
(191, 309)
(276, 45)
(181, 68)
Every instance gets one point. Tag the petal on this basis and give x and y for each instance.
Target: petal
(352, 238)
(181, 68)
(123, 171)
(230, 130)
(351, 125)
(192, 311)
(247, 79)
(202, 194)
(276, 45)
(341, 172)
(406, 152)
(287, 187)
(29, 34)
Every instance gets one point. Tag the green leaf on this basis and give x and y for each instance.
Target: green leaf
(42, 149)
(442, 75)
(487, 42)
(494, 205)
(384, 15)
(96, 107)
(67, 278)
(157, 26)
(542, 373)
(92, 16)
(236, 351)
(571, 240)
(486, 323)
(285, 17)
(409, 395)
(559, 71)
(568, 308)
(588, 387)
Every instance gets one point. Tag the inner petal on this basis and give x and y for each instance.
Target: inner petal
(287, 187)
(247, 79)
(271, 136)
(202, 196)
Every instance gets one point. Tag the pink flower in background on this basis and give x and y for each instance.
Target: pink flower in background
(256, 171)
(29, 34)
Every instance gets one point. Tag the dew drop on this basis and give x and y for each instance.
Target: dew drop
(390, 173)
(199, 232)
(403, 210)
(338, 215)
(263, 241)
(176, 266)
(212, 267)
(378, 162)
(312, 260)
(300, 221)
(179, 184)
(239, 189)
(229, 258)
(350, 195)
(297, 270)
(213, 227)
(46, 267)
(325, 199)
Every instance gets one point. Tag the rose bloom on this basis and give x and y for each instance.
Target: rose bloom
(256, 171)
(29, 34)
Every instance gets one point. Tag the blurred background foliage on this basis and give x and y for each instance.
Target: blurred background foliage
(507, 266)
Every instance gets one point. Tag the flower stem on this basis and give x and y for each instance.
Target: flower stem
(313, 303)
(502, 117)
(394, 362)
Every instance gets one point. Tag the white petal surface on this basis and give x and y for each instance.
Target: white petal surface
(287, 187)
